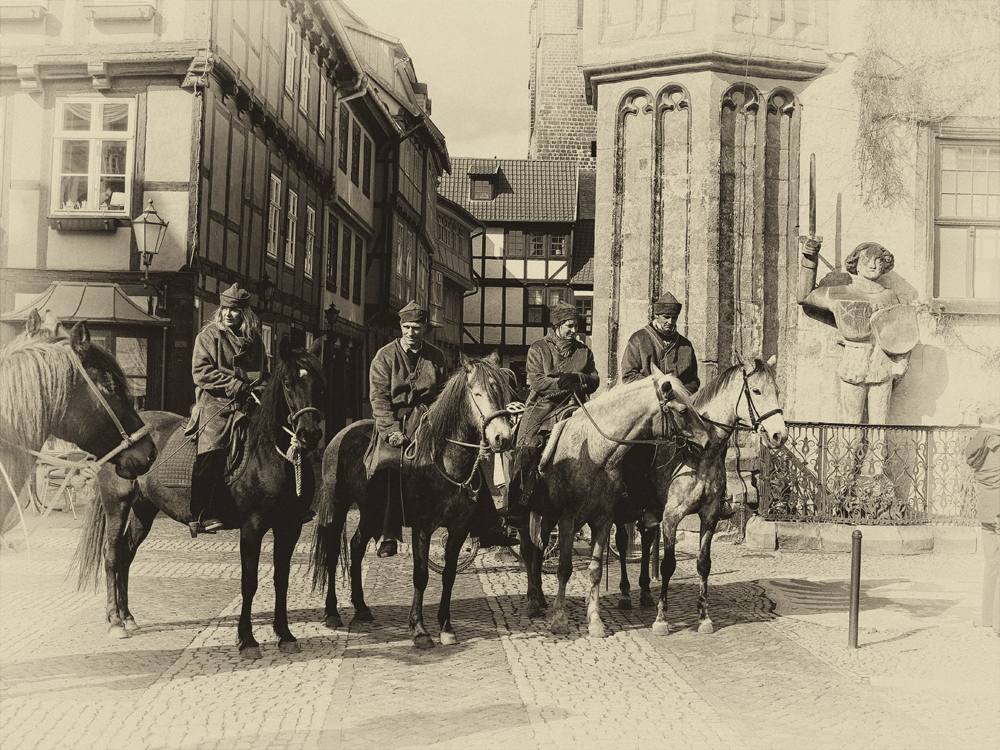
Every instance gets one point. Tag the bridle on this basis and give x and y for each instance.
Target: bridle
(294, 453)
(756, 418)
(664, 403)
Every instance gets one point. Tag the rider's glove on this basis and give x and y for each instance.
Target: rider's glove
(396, 439)
(570, 381)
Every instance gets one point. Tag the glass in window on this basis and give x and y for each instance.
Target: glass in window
(116, 117)
(538, 245)
(76, 116)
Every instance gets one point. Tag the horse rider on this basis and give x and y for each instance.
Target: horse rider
(661, 343)
(559, 366)
(227, 363)
(405, 377)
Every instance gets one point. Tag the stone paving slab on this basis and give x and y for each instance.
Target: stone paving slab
(777, 673)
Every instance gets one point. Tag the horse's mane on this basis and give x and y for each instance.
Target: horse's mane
(725, 378)
(37, 374)
(450, 414)
(265, 422)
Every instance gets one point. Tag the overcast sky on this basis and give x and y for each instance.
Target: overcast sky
(473, 56)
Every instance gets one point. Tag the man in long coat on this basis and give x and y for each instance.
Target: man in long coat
(558, 366)
(227, 362)
(405, 378)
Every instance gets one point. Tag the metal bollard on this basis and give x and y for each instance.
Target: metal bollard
(852, 635)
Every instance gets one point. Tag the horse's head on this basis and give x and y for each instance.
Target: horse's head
(304, 387)
(488, 389)
(673, 397)
(760, 406)
(99, 415)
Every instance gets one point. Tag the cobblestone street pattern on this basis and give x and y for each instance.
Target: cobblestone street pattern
(776, 674)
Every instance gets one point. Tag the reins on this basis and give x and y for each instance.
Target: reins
(628, 441)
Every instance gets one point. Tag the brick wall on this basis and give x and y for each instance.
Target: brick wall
(562, 123)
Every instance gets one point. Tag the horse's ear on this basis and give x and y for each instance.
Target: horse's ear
(654, 370)
(773, 360)
(52, 322)
(493, 358)
(317, 348)
(463, 361)
(79, 339)
(285, 349)
(33, 324)
(747, 368)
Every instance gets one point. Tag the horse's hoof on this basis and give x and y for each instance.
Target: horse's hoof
(646, 600)
(560, 624)
(448, 639)
(624, 602)
(290, 647)
(117, 632)
(251, 652)
(535, 610)
(706, 627)
(423, 641)
(597, 631)
(364, 615)
(333, 621)
(130, 625)
(661, 628)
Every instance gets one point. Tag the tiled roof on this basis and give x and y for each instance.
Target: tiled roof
(526, 190)
(582, 271)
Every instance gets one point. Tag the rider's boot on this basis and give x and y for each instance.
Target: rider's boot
(524, 477)
(485, 523)
(207, 476)
(726, 508)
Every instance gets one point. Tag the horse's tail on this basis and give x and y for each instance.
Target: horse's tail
(88, 559)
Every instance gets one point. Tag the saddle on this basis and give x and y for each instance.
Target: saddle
(180, 451)
(380, 455)
(553, 438)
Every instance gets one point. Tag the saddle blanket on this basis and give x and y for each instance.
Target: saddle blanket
(174, 469)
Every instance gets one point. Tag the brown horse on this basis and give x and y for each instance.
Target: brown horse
(67, 387)
(690, 480)
(284, 425)
(470, 416)
(582, 482)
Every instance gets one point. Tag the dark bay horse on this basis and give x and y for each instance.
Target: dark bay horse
(582, 481)
(468, 417)
(285, 425)
(64, 386)
(691, 480)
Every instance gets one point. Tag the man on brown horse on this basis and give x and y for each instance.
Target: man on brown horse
(558, 367)
(405, 377)
(227, 363)
(658, 343)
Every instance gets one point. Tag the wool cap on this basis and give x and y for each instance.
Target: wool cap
(235, 297)
(413, 313)
(667, 304)
(560, 312)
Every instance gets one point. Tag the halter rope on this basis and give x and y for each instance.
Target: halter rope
(294, 453)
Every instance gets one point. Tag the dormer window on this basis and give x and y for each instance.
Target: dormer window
(482, 188)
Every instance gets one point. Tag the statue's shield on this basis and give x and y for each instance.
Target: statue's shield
(896, 329)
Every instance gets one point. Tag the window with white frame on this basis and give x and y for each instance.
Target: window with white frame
(557, 246)
(291, 56)
(536, 305)
(291, 228)
(307, 266)
(967, 220)
(266, 334)
(324, 103)
(94, 150)
(273, 216)
(304, 85)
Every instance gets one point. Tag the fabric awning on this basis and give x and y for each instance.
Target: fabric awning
(94, 302)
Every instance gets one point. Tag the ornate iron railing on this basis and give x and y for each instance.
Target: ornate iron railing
(868, 474)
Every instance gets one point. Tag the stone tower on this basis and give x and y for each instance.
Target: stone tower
(563, 123)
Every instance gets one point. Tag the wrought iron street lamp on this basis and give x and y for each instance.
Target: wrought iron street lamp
(149, 228)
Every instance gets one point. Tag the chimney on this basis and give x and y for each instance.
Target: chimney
(420, 89)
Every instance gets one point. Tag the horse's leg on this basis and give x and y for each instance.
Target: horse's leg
(560, 621)
(251, 535)
(532, 559)
(704, 568)
(667, 567)
(359, 543)
(451, 552)
(621, 541)
(143, 514)
(285, 539)
(599, 542)
(330, 537)
(115, 515)
(421, 547)
(647, 537)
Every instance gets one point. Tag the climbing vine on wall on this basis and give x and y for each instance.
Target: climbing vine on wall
(918, 71)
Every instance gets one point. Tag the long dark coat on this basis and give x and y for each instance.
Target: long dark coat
(217, 355)
(675, 356)
(548, 358)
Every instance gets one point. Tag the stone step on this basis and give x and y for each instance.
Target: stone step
(749, 459)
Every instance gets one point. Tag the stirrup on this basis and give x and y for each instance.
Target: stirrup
(388, 548)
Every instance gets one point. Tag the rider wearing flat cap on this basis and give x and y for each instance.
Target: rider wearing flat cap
(558, 366)
(405, 378)
(660, 342)
(228, 361)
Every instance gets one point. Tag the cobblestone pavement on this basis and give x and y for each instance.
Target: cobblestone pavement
(777, 673)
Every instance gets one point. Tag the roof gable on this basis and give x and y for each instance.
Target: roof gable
(525, 190)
